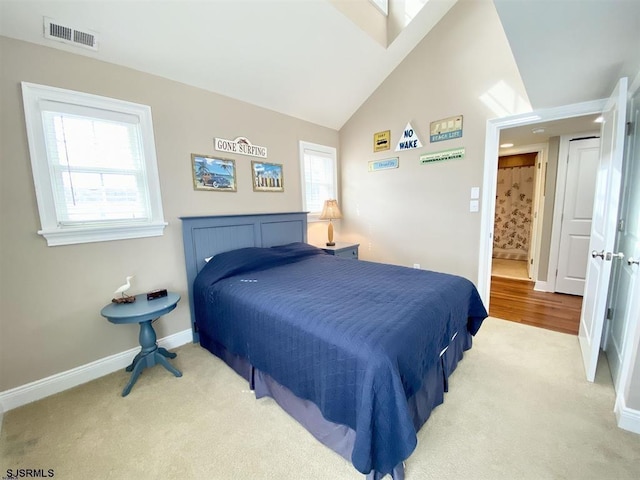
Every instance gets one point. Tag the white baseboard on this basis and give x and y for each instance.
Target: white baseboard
(541, 286)
(59, 382)
(628, 418)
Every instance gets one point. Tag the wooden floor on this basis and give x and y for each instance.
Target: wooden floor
(516, 300)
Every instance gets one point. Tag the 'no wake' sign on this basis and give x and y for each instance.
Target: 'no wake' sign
(408, 140)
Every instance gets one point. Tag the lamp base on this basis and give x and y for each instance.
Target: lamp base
(331, 244)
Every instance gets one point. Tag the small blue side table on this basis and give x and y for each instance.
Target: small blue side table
(144, 312)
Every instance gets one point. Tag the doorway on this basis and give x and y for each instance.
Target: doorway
(516, 294)
(536, 302)
(498, 131)
(562, 202)
(515, 215)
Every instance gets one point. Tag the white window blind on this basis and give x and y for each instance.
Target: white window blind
(94, 166)
(97, 168)
(319, 176)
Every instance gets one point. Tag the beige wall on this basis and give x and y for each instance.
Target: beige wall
(51, 296)
(420, 213)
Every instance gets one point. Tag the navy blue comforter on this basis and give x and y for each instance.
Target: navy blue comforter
(356, 338)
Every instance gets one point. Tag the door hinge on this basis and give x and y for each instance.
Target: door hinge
(195, 327)
(621, 225)
(531, 261)
(629, 128)
(609, 314)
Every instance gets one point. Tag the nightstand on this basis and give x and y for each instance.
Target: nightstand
(342, 249)
(144, 312)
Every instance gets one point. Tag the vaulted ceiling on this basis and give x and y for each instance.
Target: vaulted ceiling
(306, 59)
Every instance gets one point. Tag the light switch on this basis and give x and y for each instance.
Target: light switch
(475, 193)
(474, 205)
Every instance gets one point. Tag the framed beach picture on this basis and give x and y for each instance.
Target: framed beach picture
(213, 174)
(267, 177)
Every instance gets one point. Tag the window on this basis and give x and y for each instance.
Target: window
(382, 5)
(94, 166)
(319, 177)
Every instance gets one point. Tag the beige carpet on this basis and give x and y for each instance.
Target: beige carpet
(518, 408)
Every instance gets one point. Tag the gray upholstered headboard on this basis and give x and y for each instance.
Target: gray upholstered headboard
(207, 236)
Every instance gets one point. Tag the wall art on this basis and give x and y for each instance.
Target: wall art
(213, 174)
(267, 177)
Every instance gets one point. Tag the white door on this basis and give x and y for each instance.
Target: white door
(582, 165)
(625, 285)
(603, 227)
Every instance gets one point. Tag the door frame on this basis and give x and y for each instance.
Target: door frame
(558, 204)
(490, 176)
(537, 213)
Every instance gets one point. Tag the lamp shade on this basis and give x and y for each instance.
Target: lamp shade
(330, 210)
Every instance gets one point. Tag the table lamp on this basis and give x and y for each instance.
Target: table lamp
(330, 210)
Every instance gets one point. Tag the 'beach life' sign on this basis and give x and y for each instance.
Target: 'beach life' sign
(446, 129)
(240, 145)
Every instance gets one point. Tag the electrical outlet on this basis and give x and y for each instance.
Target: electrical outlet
(416, 265)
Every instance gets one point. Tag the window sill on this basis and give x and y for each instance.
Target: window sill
(71, 236)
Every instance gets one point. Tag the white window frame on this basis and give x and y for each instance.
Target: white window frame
(55, 232)
(314, 216)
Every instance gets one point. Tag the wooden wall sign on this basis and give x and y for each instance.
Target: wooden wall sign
(452, 154)
(382, 141)
(409, 139)
(446, 129)
(240, 145)
(375, 165)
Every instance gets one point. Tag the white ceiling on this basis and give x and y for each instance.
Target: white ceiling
(306, 59)
(525, 135)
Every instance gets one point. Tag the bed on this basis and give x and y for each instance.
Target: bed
(358, 352)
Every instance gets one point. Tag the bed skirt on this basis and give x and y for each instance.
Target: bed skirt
(341, 438)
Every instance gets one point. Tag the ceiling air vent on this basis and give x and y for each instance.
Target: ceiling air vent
(64, 33)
